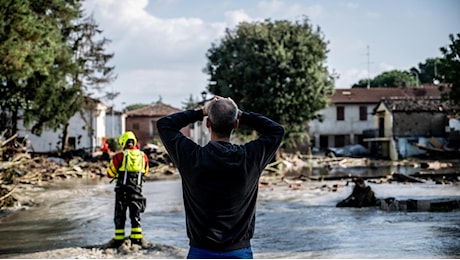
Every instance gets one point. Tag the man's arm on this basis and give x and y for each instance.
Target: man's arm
(263, 125)
(146, 164)
(271, 134)
(169, 129)
(114, 164)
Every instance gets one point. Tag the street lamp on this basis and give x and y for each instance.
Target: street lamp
(202, 131)
(203, 95)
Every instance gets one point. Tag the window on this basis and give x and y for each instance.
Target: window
(136, 126)
(339, 140)
(72, 143)
(363, 113)
(340, 113)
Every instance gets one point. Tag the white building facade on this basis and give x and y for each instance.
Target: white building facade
(86, 130)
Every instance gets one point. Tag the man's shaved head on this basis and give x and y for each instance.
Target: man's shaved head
(222, 115)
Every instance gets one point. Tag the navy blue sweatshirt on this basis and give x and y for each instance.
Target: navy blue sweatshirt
(220, 180)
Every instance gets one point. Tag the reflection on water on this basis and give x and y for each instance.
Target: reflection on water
(289, 224)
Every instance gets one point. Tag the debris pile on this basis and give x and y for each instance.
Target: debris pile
(295, 169)
(19, 168)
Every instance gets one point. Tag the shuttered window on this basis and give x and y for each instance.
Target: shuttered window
(363, 113)
(340, 113)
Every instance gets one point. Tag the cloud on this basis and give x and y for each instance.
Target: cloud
(284, 10)
(146, 86)
(382, 67)
(233, 18)
(352, 5)
(153, 56)
(349, 77)
(373, 15)
(142, 40)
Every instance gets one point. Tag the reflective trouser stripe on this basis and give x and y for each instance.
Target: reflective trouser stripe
(136, 233)
(119, 234)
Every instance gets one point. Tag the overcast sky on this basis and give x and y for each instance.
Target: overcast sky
(160, 45)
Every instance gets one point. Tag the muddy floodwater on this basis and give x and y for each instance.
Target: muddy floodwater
(301, 223)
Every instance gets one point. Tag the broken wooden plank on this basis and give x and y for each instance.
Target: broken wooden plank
(404, 178)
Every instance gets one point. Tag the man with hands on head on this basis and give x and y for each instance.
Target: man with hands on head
(220, 180)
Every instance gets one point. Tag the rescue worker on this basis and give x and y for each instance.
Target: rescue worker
(105, 150)
(128, 168)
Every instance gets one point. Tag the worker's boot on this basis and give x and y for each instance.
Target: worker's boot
(113, 243)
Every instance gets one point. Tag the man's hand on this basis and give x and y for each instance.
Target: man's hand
(239, 111)
(210, 103)
(214, 100)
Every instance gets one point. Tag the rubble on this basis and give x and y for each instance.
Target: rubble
(19, 168)
(294, 169)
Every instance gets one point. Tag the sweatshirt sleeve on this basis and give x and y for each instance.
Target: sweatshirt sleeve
(172, 138)
(270, 132)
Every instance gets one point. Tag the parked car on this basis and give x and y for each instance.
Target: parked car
(354, 150)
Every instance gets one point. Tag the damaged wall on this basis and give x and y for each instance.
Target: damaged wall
(419, 124)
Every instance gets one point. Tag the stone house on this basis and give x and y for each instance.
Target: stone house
(348, 119)
(143, 122)
(404, 122)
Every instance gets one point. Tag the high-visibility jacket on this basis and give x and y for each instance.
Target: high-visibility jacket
(128, 167)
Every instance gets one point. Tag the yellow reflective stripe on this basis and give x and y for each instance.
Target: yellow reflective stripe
(119, 234)
(136, 233)
(146, 169)
(111, 173)
(136, 236)
(136, 229)
(119, 237)
(111, 170)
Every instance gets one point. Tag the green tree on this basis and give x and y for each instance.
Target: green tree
(427, 70)
(32, 53)
(389, 79)
(449, 69)
(275, 68)
(93, 73)
(190, 103)
(50, 62)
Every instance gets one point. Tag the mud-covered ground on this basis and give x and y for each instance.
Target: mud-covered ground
(27, 196)
(150, 250)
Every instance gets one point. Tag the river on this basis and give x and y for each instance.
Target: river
(290, 223)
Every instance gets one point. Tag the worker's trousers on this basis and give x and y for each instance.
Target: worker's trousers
(125, 200)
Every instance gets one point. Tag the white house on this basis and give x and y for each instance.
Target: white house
(86, 130)
(348, 120)
(115, 123)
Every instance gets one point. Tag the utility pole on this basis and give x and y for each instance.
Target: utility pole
(368, 68)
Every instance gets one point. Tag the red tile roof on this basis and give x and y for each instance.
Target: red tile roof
(156, 110)
(416, 104)
(373, 95)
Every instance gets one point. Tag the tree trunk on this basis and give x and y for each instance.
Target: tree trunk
(65, 137)
(14, 121)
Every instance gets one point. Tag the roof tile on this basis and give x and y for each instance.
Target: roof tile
(156, 110)
(373, 95)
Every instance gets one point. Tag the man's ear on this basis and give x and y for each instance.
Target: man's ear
(208, 123)
(236, 124)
